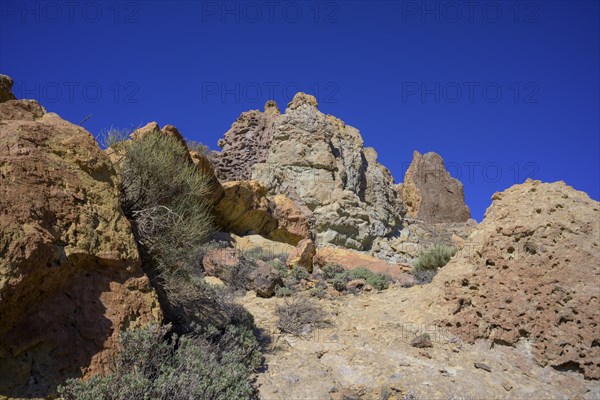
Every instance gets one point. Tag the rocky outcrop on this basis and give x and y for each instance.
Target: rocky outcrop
(321, 161)
(70, 275)
(6, 84)
(531, 272)
(246, 143)
(245, 209)
(430, 193)
(302, 256)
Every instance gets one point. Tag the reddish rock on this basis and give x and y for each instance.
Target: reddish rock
(246, 143)
(350, 259)
(70, 276)
(430, 193)
(217, 261)
(302, 255)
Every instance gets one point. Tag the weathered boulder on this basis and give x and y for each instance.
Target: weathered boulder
(217, 261)
(321, 161)
(70, 274)
(302, 255)
(294, 221)
(6, 84)
(246, 143)
(530, 272)
(264, 279)
(255, 243)
(429, 192)
(245, 209)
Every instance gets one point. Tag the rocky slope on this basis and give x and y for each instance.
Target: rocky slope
(70, 275)
(513, 315)
(531, 273)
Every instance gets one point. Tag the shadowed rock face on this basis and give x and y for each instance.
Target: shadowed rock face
(531, 272)
(70, 276)
(320, 161)
(430, 193)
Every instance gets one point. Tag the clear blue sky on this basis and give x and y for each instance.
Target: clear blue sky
(502, 90)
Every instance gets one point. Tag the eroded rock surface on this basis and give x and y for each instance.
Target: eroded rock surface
(430, 193)
(246, 143)
(70, 275)
(531, 272)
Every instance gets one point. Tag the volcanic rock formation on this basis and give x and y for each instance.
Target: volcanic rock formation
(70, 275)
(430, 193)
(531, 272)
(246, 143)
(320, 161)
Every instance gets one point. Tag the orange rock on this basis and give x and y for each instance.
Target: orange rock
(70, 275)
(302, 255)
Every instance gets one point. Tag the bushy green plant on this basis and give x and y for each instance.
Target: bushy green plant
(280, 266)
(283, 291)
(341, 277)
(186, 368)
(298, 273)
(331, 270)
(428, 263)
(300, 316)
(165, 196)
(435, 258)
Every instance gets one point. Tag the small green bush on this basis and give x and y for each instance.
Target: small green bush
(300, 316)
(186, 368)
(428, 263)
(284, 291)
(298, 273)
(341, 277)
(280, 266)
(331, 270)
(435, 258)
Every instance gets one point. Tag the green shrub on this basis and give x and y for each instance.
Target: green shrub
(341, 277)
(185, 368)
(318, 292)
(435, 258)
(331, 270)
(283, 291)
(165, 196)
(298, 273)
(300, 316)
(428, 263)
(280, 266)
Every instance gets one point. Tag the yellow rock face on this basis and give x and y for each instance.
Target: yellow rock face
(70, 276)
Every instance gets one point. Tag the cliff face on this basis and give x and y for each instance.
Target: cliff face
(320, 161)
(430, 193)
(70, 275)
